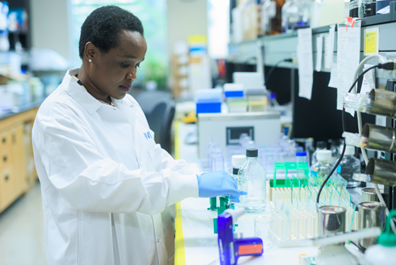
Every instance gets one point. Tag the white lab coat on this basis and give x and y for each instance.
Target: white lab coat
(106, 186)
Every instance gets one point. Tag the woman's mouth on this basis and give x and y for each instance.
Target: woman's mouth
(125, 88)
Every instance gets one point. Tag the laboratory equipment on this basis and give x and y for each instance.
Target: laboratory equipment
(323, 167)
(371, 214)
(383, 7)
(331, 219)
(373, 137)
(291, 16)
(249, 80)
(333, 250)
(367, 8)
(252, 179)
(301, 157)
(234, 94)
(379, 102)
(237, 162)
(381, 171)
(369, 195)
(354, 8)
(348, 166)
(384, 253)
(271, 17)
(230, 248)
(335, 147)
(208, 100)
(320, 145)
(225, 129)
(261, 228)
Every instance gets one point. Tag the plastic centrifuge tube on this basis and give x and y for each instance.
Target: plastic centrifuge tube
(359, 102)
(355, 139)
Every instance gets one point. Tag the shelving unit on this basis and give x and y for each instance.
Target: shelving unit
(278, 47)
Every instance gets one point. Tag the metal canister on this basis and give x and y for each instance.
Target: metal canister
(369, 195)
(371, 214)
(331, 219)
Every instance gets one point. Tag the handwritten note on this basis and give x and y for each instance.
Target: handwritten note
(329, 47)
(348, 58)
(333, 73)
(319, 51)
(305, 64)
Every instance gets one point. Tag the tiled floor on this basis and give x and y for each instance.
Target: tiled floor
(22, 231)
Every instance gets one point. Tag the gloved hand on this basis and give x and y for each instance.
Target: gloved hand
(218, 183)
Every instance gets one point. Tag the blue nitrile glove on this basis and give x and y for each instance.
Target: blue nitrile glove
(218, 183)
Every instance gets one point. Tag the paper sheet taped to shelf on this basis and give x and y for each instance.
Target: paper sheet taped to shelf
(348, 58)
(305, 64)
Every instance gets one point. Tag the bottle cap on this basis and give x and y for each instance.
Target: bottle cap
(301, 154)
(286, 130)
(339, 169)
(388, 238)
(238, 160)
(350, 150)
(251, 152)
(321, 144)
(323, 155)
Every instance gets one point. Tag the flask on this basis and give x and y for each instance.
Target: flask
(319, 146)
(252, 179)
(323, 167)
(384, 253)
(349, 165)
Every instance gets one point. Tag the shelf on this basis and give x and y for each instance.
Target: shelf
(282, 46)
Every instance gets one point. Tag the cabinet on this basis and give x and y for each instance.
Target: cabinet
(17, 172)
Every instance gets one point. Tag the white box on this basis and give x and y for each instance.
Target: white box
(224, 129)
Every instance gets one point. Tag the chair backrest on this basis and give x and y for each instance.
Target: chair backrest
(159, 109)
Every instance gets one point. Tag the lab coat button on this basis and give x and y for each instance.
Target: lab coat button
(158, 240)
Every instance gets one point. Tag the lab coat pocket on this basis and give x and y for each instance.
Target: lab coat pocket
(155, 157)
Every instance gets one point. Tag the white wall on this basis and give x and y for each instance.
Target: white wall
(50, 20)
(185, 18)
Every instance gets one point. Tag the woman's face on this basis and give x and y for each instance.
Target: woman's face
(112, 73)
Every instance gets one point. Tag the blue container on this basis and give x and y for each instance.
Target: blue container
(233, 94)
(208, 107)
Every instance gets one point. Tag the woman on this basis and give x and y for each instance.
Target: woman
(106, 186)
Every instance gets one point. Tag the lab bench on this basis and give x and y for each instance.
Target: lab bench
(17, 171)
(196, 242)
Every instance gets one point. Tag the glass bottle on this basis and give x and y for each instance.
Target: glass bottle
(349, 165)
(271, 17)
(252, 179)
(322, 167)
(292, 16)
(321, 145)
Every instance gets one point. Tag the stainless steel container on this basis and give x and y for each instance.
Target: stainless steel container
(380, 138)
(382, 171)
(371, 214)
(384, 102)
(369, 195)
(331, 219)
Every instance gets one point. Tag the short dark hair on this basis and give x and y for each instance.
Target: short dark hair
(103, 25)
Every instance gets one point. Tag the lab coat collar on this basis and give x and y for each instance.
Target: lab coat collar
(79, 94)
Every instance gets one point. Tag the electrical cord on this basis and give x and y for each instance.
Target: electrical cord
(268, 75)
(380, 66)
(362, 249)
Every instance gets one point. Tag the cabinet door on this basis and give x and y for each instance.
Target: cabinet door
(5, 149)
(7, 188)
(19, 159)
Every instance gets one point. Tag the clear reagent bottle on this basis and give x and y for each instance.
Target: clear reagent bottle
(350, 165)
(252, 179)
(323, 167)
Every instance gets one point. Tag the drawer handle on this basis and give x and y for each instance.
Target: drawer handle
(4, 140)
(5, 158)
(6, 178)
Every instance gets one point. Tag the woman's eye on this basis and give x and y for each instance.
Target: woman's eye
(138, 65)
(124, 65)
